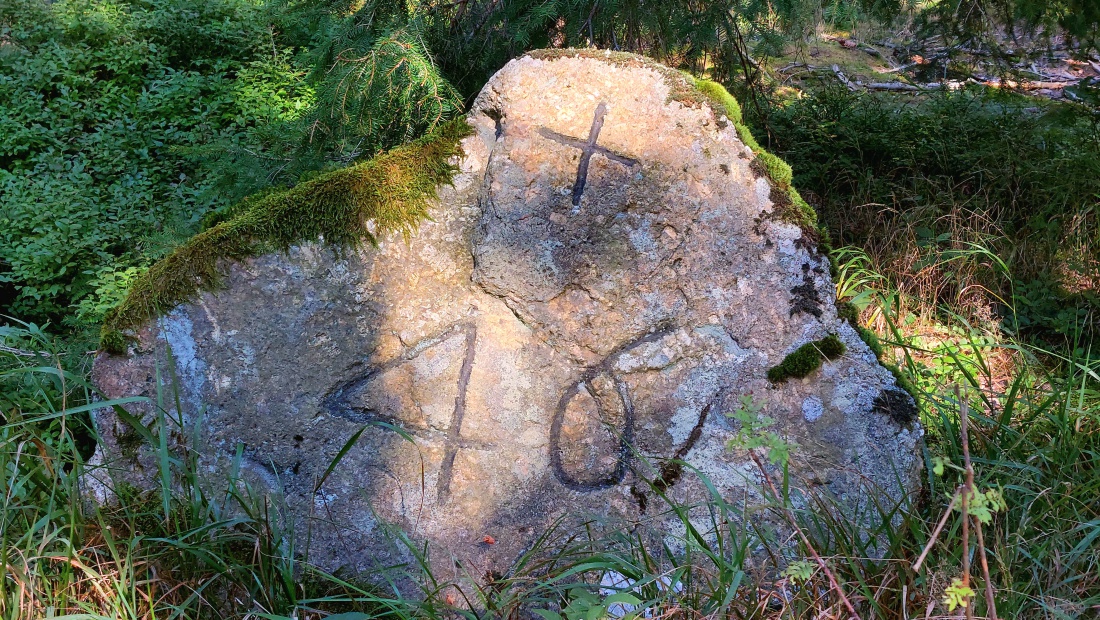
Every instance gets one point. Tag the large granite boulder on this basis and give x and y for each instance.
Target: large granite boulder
(607, 277)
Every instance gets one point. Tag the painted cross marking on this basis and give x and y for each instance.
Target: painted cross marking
(588, 148)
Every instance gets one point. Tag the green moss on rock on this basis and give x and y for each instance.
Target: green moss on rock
(848, 312)
(806, 359)
(779, 171)
(113, 341)
(745, 134)
(831, 347)
(720, 99)
(789, 205)
(344, 208)
(807, 218)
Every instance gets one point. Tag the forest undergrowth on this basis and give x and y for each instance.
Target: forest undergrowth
(968, 241)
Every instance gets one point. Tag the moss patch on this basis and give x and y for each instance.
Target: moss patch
(807, 358)
(779, 171)
(720, 99)
(391, 192)
(746, 137)
(789, 205)
(683, 87)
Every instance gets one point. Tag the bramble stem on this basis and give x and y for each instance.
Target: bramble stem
(936, 532)
(968, 492)
(805, 540)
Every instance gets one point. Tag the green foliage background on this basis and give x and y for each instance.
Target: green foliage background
(128, 126)
(96, 101)
(921, 183)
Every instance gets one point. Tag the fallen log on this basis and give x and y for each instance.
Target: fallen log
(894, 86)
(843, 78)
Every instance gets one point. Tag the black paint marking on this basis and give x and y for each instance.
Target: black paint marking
(673, 469)
(443, 486)
(497, 121)
(336, 402)
(626, 440)
(640, 497)
(588, 148)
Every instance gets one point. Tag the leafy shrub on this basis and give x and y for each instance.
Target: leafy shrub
(95, 100)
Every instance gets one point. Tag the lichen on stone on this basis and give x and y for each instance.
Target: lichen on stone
(344, 208)
(682, 86)
(806, 359)
(789, 206)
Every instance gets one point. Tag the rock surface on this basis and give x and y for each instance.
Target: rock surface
(598, 288)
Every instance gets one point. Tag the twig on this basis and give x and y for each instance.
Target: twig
(22, 353)
(805, 540)
(968, 492)
(901, 68)
(989, 602)
(902, 86)
(936, 532)
(791, 65)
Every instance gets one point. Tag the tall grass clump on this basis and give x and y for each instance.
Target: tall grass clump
(1031, 444)
(919, 182)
